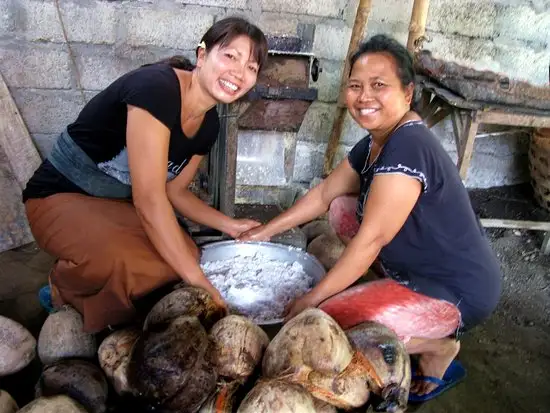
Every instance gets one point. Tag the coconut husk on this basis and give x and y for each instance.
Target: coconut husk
(277, 396)
(313, 351)
(223, 400)
(387, 362)
(62, 337)
(114, 357)
(185, 301)
(168, 366)
(56, 404)
(238, 347)
(78, 379)
(17, 346)
(7, 404)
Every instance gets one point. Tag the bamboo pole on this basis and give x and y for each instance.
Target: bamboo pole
(417, 26)
(358, 32)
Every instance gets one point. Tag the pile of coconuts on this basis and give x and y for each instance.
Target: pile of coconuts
(189, 357)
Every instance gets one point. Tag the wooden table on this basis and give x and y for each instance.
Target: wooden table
(466, 116)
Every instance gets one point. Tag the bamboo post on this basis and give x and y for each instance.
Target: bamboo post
(417, 26)
(358, 32)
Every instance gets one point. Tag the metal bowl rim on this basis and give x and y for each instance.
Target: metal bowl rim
(286, 247)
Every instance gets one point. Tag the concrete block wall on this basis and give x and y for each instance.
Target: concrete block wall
(108, 38)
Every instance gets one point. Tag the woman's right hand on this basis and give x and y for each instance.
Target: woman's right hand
(255, 234)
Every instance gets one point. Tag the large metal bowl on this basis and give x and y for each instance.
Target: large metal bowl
(228, 249)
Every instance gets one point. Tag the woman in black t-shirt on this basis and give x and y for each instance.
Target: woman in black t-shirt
(415, 217)
(141, 140)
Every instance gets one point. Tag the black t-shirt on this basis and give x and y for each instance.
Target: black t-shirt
(100, 129)
(442, 239)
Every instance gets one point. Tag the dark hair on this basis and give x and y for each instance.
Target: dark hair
(382, 43)
(224, 31)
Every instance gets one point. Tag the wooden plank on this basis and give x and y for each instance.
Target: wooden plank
(515, 119)
(458, 128)
(467, 146)
(15, 140)
(545, 247)
(511, 223)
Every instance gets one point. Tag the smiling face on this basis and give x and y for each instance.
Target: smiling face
(228, 72)
(375, 96)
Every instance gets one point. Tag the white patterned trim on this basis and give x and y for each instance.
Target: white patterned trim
(403, 170)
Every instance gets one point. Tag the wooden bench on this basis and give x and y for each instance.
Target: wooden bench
(438, 102)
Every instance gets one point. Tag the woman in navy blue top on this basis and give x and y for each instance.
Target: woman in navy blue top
(415, 214)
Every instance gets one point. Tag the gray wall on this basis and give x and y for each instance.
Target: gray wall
(108, 38)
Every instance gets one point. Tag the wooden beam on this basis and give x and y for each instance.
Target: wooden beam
(516, 119)
(358, 32)
(515, 224)
(467, 146)
(417, 26)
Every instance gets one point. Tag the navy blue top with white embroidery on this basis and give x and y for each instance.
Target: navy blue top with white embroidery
(442, 240)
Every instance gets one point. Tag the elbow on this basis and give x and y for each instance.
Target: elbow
(146, 205)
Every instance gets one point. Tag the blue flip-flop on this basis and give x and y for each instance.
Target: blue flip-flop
(45, 298)
(454, 375)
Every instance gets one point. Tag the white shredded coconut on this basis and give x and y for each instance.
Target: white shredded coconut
(257, 286)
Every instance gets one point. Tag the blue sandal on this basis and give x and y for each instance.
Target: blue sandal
(454, 375)
(45, 298)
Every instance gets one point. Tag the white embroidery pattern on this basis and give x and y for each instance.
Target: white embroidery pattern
(405, 170)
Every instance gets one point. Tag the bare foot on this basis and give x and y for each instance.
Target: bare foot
(434, 364)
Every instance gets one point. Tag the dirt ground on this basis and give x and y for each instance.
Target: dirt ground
(507, 358)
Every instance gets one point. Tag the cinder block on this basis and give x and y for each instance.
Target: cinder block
(44, 66)
(275, 24)
(331, 41)
(179, 28)
(352, 132)
(392, 11)
(39, 21)
(47, 111)
(44, 143)
(234, 4)
(473, 52)
(396, 29)
(99, 65)
(317, 122)
(90, 21)
(7, 16)
(324, 8)
(341, 153)
(328, 84)
(468, 18)
(524, 22)
(310, 157)
(522, 63)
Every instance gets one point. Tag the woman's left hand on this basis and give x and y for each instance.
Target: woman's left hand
(298, 305)
(240, 226)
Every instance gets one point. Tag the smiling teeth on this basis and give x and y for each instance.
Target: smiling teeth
(229, 85)
(367, 111)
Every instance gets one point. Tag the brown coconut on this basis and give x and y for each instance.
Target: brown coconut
(168, 366)
(222, 400)
(277, 396)
(56, 404)
(62, 337)
(188, 301)
(327, 248)
(238, 346)
(17, 346)
(386, 361)
(315, 228)
(7, 404)
(114, 357)
(313, 351)
(78, 379)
